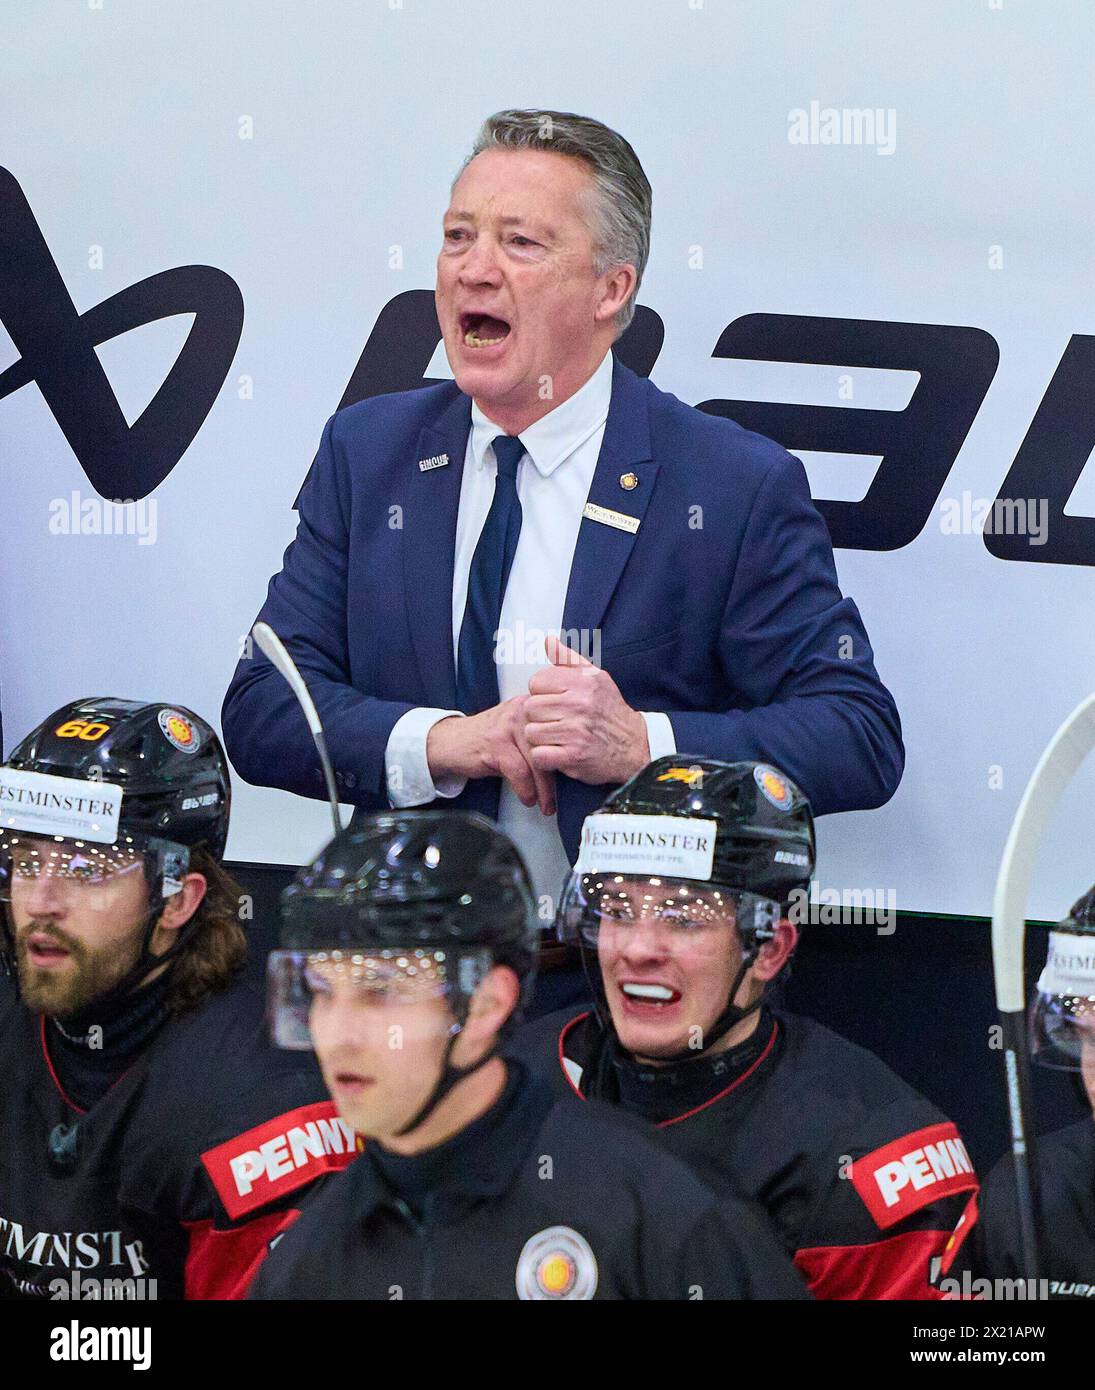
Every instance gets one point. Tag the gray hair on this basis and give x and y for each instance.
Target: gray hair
(618, 214)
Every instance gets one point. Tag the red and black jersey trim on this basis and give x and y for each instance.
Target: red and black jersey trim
(53, 1071)
(757, 1062)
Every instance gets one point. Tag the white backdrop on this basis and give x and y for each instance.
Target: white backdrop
(122, 122)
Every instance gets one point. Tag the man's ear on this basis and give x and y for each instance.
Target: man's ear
(619, 284)
(492, 1003)
(774, 954)
(181, 906)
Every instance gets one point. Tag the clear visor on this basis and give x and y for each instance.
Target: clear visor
(1062, 1031)
(1062, 1019)
(609, 910)
(409, 990)
(37, 870)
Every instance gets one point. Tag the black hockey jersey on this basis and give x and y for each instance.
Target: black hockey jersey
(862, 1178)
(181, 1174)
(539, 1199)
(986, 1260)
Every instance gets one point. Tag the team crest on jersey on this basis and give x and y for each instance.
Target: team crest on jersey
(773, 787)
(178, 730)
(557, 1263)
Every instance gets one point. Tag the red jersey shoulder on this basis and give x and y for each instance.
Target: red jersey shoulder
(906, 1174)
(266, 1163)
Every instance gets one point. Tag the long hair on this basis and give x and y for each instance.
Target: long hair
(217, 948)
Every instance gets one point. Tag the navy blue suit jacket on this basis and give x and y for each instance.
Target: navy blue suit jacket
(722, 610)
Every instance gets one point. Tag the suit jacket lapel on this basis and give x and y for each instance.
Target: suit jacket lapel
(429, 545)
(602, 551)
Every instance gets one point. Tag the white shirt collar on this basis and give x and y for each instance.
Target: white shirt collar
(556, 435)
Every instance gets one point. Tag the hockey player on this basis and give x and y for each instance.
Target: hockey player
(406, 948)
(985, 1259)
(681, 903)
(152, 1142)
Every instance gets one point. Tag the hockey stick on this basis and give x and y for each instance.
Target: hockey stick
(272, 647)
(1067, 749)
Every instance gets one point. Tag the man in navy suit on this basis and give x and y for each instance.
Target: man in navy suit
(447, 535)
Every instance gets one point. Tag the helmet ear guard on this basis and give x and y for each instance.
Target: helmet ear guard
(170, 867)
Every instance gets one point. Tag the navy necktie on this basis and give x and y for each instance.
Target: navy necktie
(476, 673)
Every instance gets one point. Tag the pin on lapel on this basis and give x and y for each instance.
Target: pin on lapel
(628, 481)
(437, 461)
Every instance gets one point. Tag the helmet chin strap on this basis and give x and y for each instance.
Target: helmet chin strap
(147, 961)
(730, 1017)
(449, 1077)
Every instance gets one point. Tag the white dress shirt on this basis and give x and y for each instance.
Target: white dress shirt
(553, 481)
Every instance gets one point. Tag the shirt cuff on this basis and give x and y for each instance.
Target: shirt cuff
(659, 734)
(410, 782)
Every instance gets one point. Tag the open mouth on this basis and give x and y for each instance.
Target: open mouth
(351, 1082)
(483, 330)
(44, 950)
(655, 996)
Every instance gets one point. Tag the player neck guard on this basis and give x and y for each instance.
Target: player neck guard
(659, 1093)
(458, 1163)
(120, 1028)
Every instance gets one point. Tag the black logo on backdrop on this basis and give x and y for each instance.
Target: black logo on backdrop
(57, 351)
(918, 445)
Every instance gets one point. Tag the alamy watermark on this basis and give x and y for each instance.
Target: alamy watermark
(843, 125)
(1003, 516)
(77, 515)
(88, 1288)
(524, 646)
(820, 906)
(94, 1343)
(967, 1287)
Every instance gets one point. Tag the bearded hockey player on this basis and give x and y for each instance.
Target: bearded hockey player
(153, 1142)
(680, 903)
(985, 1260)
(406, 949)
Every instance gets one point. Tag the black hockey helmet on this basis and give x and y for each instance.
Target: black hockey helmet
(403, 878)
(159, 773)
(401, 902)
(1062, 1021)
(763, 827)
(736, 841)
(407, 885)
(168, 761)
